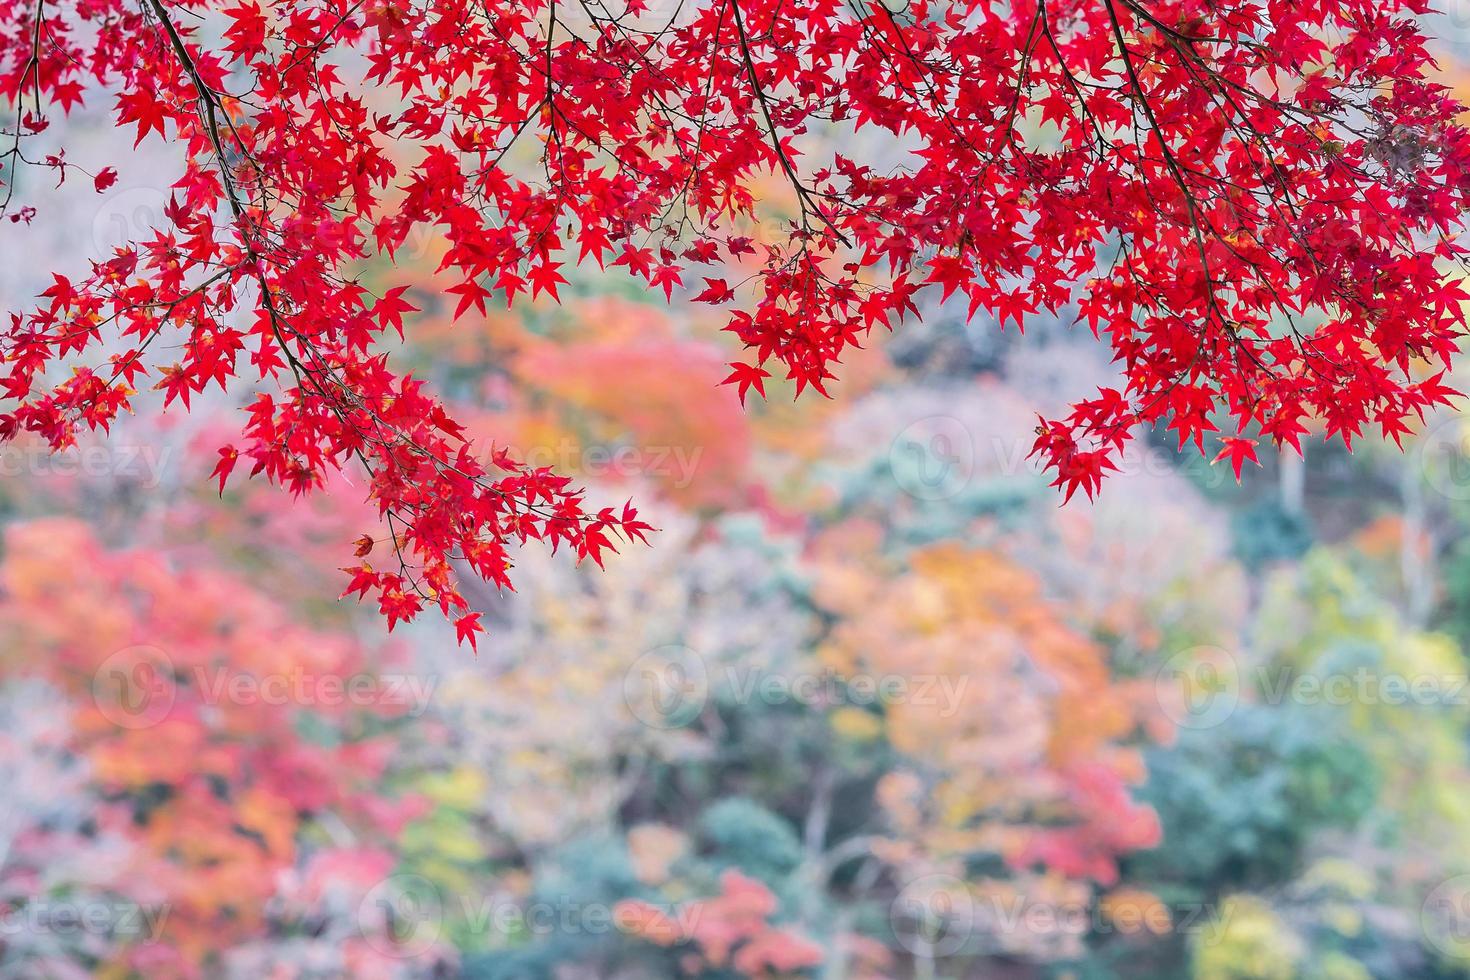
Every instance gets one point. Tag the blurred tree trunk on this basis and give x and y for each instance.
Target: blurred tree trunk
(1293, 481)
(1415, 549)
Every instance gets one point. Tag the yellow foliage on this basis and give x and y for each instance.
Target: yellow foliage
(1246, 941)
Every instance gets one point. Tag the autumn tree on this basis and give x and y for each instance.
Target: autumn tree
(1255, 201)
(224, 775)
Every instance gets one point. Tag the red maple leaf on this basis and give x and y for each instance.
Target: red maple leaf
(1237, 450)
(747, 376)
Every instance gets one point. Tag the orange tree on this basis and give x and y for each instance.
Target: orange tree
(229, 758)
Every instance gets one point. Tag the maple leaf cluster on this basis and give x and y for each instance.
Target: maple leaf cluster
(1255, 200)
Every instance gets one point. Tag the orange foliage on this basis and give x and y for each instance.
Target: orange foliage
(1017, 733)
(187, 689)
(730, 929)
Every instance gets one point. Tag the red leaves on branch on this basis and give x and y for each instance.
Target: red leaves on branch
(1255, 202)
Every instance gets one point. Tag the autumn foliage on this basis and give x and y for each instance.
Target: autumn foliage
(945, 727)
(1255, 201)
(210, 800)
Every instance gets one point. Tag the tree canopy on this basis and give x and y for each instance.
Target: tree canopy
(1254, 202)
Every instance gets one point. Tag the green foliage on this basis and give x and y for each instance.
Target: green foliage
(743, 834)
(1240, 801)
(1266, 532)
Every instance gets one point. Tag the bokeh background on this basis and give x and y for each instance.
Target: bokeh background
(873, 704)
